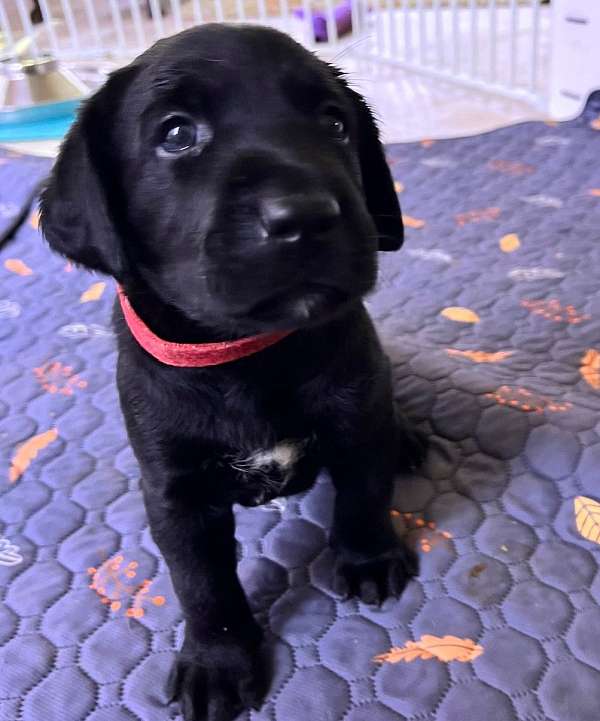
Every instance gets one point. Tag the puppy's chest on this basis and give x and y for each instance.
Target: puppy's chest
(266, 473)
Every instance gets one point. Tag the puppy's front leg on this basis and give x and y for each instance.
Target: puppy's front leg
(218, 672)
(362, 457)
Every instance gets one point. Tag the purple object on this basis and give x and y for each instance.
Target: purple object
(342, 14)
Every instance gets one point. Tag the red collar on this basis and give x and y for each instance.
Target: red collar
(193, 355)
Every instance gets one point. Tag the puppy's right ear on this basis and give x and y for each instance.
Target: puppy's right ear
(80, 206)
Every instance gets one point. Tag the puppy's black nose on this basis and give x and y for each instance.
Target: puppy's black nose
(289, 217)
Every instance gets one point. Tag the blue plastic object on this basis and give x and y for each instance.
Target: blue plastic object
(40, 122)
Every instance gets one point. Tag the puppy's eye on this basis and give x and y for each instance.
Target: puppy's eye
(177, 134)
(335, 126)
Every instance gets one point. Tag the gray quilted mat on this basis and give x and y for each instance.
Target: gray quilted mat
(19, 186)
(491, 315)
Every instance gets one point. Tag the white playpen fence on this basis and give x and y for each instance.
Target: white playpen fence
(499, 45)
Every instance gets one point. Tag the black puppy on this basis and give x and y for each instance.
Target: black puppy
(235, 187)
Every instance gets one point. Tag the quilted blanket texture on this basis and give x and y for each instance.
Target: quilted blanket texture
(491, 316)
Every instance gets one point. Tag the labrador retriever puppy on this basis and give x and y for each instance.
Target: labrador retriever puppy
(236, 189)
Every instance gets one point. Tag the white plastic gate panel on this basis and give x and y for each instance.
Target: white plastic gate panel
(76, 29)
(497, 44)
(502, 45)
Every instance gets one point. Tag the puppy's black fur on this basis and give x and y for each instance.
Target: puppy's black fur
(234, 184)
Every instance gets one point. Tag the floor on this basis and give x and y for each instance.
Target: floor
(410, 106)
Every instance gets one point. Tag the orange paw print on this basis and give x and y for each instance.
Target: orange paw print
(527, 401)
(54, 377)
(426, 532)
(477, 216)
(114, 583)
(511, 167)
(553, 310)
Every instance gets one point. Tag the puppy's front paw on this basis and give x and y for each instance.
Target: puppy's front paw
(374, 579)
(217, 686)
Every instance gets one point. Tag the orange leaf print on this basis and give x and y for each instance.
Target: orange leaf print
(411, 222)
(34, 220)
(460, 315)
(427, 143)
(94, 292)
(587, 518)
(17, 266)
(595, 192)
(509, 243)
(590, 368)
(27, 451)
(398, 186)
(479, 356)
(446, 649)
(595, 124)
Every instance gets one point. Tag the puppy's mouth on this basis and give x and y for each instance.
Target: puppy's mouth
(301, 305)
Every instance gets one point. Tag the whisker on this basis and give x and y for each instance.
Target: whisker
(350, 47)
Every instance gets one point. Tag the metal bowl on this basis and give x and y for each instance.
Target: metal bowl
(39, 96)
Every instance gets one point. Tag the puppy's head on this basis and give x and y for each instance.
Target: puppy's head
(232, 175)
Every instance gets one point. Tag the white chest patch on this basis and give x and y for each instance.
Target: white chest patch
(284, 456)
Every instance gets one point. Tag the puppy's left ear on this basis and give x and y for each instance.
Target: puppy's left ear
(381, 197)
